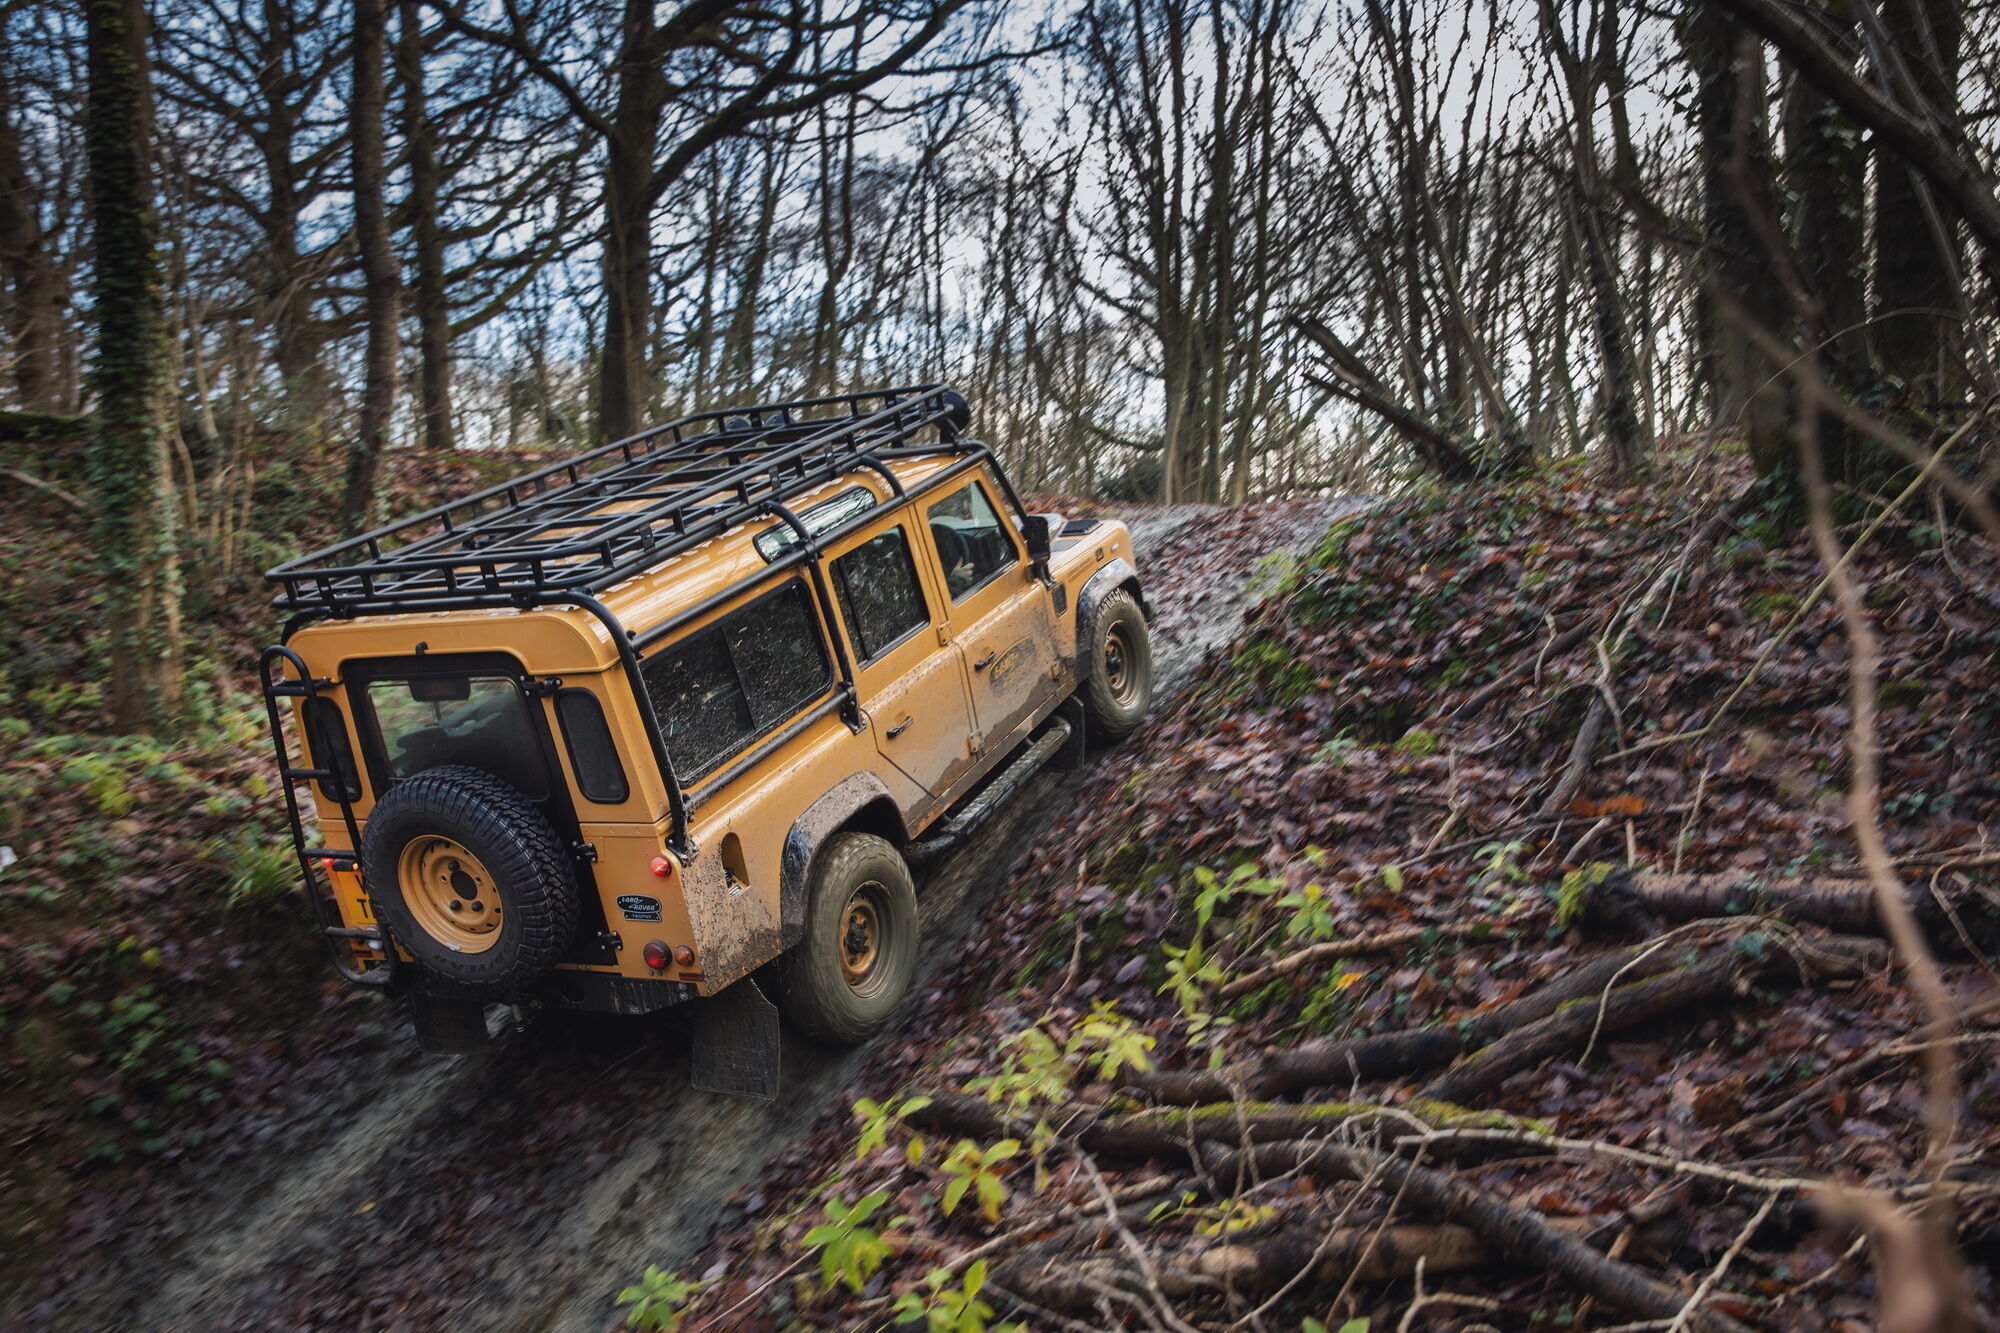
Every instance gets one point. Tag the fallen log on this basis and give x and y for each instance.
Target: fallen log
(1330, 951)
(1250, 1266)
(1173, 1132)
(1838, 904)
(1722, 973)
(1343, 1061)
(1511, 1232)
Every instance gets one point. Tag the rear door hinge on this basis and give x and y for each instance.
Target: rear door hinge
(541, 688)
(584, 851)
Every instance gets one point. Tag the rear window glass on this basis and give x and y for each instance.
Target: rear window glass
(727, 684)
(879, 597)
(482, 721)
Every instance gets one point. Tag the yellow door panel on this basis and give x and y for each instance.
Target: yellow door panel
(1001, 614)
(910, 677)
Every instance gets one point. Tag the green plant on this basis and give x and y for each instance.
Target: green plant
(1107, 1041)
(658, 1300)
(1213, 891)
(1312, 912)
(876, 1118)
(254, 871)
(1351, 1326)
(1574, 893)
(1417, 744)
(1190, 972)
(1032, 1070)
(970, 1167)
(950, 1308)
(849, 1249)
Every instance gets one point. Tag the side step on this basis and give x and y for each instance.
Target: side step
(990, 798)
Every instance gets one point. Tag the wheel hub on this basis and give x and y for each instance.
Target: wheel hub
(1119, 677)
(450, 893)
(861, 936)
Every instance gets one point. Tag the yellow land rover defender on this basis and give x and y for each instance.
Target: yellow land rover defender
(622, 732)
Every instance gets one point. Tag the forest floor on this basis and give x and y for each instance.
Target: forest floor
(1361, 991)
(1351, 987)
(321, 1172)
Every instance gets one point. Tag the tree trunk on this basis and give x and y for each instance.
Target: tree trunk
(380, 280)
(136, 537)
(1741, 291)
(433, 311)
(34, 315)
(1916, 327)
(1826, 172)
(628, 224)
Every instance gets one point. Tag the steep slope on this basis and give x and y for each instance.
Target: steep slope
(1366, 884)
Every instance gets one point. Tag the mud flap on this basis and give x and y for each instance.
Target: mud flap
(447, 1025)
(736, 1043)
(1070, 758)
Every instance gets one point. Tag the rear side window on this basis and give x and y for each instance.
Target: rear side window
(727, 684)
(879, 597)
(327, 746)
(972, 543)
(592, 753)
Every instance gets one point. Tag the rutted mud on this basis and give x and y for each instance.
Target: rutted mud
(518, 1189)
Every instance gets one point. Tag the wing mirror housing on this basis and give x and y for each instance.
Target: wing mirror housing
(1040, 543)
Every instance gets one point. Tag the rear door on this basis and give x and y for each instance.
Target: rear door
(912, 681)
(1000, 614)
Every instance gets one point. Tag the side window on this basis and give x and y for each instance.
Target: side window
(879, 597)
(326, 745)
(592, 752)
(723, 686)
(972, 542)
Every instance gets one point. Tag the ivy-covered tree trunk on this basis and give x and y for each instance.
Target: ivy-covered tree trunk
(137, 548)
(1917, 325)
(1741, 295)
(380, 281)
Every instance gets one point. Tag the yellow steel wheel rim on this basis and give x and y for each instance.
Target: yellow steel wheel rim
(861, 936)
(450, 893)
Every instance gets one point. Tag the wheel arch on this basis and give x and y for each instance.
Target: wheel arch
(1116, 576)
(858, 803)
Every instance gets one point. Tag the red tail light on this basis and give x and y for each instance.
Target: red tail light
(663, 867)
(655, 954)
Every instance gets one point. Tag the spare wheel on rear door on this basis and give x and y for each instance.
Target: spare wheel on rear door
(470, 879)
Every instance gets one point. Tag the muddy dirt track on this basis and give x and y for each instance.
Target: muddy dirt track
(521, 1188)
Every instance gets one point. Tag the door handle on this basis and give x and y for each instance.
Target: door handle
(900, 727)
(985, 661)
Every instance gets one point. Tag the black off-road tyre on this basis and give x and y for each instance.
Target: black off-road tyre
(819, 987)
(1118, 687)
(515, 856)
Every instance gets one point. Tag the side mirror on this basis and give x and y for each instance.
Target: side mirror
(1039, 541)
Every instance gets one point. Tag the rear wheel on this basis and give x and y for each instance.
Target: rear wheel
(858, 954)
(1119, 688)
(469, 877)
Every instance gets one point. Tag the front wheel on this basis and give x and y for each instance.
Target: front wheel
(1119, 688)
(858, 954)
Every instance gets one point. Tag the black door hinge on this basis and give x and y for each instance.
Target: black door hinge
(584, 851)
(611, 940)
(542, 688)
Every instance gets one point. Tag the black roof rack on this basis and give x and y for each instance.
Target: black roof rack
(584, 524)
